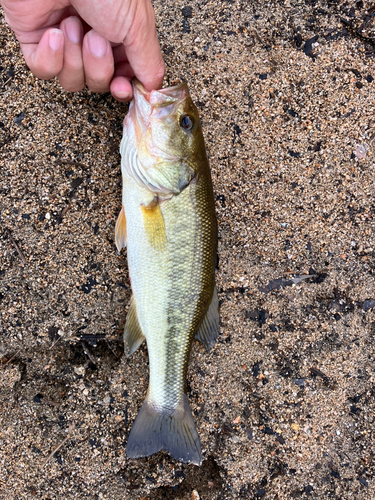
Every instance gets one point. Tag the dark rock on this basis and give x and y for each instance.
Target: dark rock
(308, 489)
(268, 430)
(249, 434)
(38, 398)
(18, 119)
(299, 381)
(256, 368)
(298, 40)
(52, 333)
(307, 48)
(86, 287)
(187, 11)
(279, 438)
(221, 198)
(363, 481)
(294, 154)
(368, 304)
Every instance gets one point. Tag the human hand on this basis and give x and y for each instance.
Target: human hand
(57, 40)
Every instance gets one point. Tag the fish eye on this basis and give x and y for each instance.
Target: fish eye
(186, 122)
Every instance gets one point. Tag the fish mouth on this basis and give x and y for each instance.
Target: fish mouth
(162, 97)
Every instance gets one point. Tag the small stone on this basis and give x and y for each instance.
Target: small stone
(79, 370)
(295, 426)
(361, 150)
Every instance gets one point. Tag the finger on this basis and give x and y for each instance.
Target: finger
(143, 50)
(72, 75)
(97, 61)
(45, 59)
(121, 87)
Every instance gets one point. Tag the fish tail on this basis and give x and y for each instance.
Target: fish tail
(158, 429)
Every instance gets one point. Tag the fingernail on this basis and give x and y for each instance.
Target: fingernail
(55, 39)
(73, 29)
(97, 44)
(122, 96)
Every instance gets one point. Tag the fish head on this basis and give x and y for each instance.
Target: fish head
(164, 129)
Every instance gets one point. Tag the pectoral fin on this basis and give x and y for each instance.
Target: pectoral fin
(209, 328)
(154, 225)
(133, 336)
(120, 231)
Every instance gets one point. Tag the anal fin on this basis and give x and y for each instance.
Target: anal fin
(133, 336)
(120, 231)
(210, 327)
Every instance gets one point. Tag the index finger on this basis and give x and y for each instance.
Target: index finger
(45, 59)
(143, 50)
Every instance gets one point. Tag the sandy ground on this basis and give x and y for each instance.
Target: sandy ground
(284, 404)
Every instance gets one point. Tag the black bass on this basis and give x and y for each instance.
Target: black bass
(169, 226)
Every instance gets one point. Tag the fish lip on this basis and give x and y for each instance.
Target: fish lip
(175, 93)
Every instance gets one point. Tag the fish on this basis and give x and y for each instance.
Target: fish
(168, 225)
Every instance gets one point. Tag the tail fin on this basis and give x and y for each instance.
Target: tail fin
(155, 430)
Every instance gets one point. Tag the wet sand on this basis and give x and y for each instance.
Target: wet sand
(284, 403)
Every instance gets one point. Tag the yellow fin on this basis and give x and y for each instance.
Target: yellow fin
(133, 336)
(120, 231)
(154, 225)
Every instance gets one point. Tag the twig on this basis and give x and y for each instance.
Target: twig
(10, 359)
(56, 449)
(4, 84)
(56, 341)
(318, 373)
(22, 257)
(71, 162)
(50, 402)
(88, 353)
